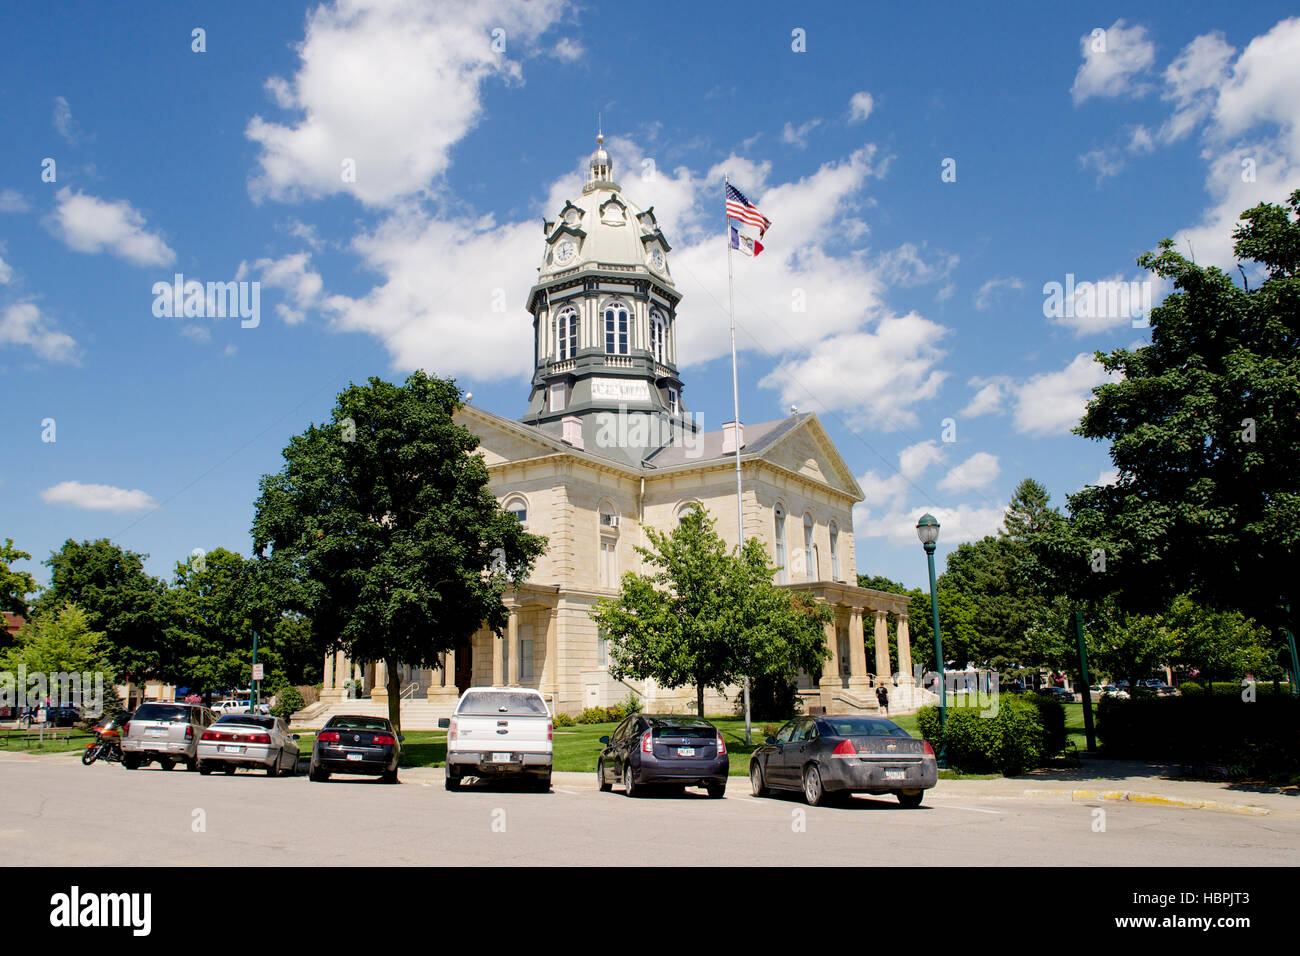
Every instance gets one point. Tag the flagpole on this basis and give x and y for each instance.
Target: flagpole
(735, 402)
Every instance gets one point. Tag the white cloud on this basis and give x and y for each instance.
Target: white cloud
(1105, 304)
(886, 492)
(1108, 476)
(881, 514)
(990, 397)
(1105, 162)
(74, 494)
(89, 224)
(1192, 81)
(991, 291)
(907, 266)
(6, 272)
(293, 274)
(977, 471)
(1052, 403)
(11, 200)
(901, 353)
(63, 121)
(391, 86)
(1112, 62)
(860, 106)
(23, 324)
(964, 522)
(798, 135)
(568, 50)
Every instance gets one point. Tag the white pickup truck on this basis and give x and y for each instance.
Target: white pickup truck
(498, 732)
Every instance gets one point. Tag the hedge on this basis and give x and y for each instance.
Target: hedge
(1024, 732)
(1216, 735)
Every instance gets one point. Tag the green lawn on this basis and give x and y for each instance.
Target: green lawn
(63, 742)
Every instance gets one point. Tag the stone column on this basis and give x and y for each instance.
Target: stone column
(379, 689)
(512, 648)
(859, 683)
(442, 683)
(550, 682)
(831, 681)
(497, 650)
(905, 676)
(882, 648)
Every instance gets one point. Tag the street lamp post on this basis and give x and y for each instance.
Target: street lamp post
(927, 529)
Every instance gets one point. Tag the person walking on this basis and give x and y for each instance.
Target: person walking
(882, 698)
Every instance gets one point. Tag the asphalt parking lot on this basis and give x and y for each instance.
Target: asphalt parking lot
(56, 812)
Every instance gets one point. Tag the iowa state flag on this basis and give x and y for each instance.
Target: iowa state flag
(750, 247)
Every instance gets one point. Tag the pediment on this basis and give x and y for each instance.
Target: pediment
(808, 450)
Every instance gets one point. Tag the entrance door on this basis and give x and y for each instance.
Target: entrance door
(464, 667)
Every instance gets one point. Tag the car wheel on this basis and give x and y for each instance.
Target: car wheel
(452, 781)
(192, 764)
(629, 782)
(205, 768)
(813, 791)
(543, 783)
(716, 793)
(605, 785)
(756, 785)
(317, 776)
(910, 800)
(230, 769)
(167, 764)
(131, 761)
(388, 776)
(273, 768)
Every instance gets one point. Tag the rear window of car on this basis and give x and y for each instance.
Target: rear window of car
(676, 728)
(358, 723)
(863, 727)
(490, 703)
(248, 720)
(165, 712)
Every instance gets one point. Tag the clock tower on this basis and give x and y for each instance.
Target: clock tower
(604, 326)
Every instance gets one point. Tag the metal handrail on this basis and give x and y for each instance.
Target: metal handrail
(408, 693)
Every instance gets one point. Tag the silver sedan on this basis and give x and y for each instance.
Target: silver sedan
(248, 740)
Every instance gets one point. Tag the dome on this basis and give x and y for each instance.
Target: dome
(602, 229)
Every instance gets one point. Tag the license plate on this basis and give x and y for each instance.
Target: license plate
(355, 756)
(895, 774)
(231, 750)
(686, 751)
(500, 758)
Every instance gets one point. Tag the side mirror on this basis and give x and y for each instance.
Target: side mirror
(604, 740)
(444, 723)
(769, 740)
(401, 738)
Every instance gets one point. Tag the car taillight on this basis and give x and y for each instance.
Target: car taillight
(383, 740)
(126, 728)
(929, 749)
(210, 735)
(722, 746)
(550, 730)
(258, 739)
(451, 732)
(646, 746)
(328, 737)
(845, 748)
(189, 732)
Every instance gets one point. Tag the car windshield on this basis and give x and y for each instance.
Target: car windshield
(251, 720)
(358, 723)
(863, 727)
(684, 728)
(162, 712)
(492, 702)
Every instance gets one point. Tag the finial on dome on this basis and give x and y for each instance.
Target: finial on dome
(602, 168)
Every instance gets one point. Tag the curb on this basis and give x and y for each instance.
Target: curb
(1153, 799)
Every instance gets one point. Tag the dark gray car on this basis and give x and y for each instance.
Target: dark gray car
(664, 749)
(827, 756)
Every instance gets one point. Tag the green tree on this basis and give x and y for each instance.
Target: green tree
(1222, 645)
(382, 529)
(214, 623)
(1204, 430)
(706, 616)
(1130, 646)
(61, 640)
(15, 586)
(128, 605)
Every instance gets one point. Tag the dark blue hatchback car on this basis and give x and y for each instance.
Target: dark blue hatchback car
(666, 750)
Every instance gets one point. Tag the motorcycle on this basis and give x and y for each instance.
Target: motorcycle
(106, 746)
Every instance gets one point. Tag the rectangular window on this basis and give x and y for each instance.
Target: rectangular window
(525, 661)
(609, 564)
(602, 649)
(672, 401)
(557, 397)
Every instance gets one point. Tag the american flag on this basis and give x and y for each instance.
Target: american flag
(738, 207)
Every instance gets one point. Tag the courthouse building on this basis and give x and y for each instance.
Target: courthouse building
(608, 448)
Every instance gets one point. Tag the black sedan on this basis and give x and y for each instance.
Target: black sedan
(666, 750)
(357, 745)
(824, 757)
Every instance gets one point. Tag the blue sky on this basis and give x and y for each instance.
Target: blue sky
(1073, 151)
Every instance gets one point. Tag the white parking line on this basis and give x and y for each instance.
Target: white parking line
(975, 809)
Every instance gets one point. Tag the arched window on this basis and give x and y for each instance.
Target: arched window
(809, 558)
(615, 327)
(658, 335)
(835, 551)
(781, 574)
(567, 337)
(686, 509)
(517, 506)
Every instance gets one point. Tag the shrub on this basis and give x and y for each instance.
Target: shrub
(1218, 735)
(1009, 743)
(769, 730)
(562, 720)
(1051, 714)
(593, 715)
(288, 703)
(1263, 688)
(770, 698)
(630, 705)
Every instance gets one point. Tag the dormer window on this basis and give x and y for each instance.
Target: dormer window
(616, 328)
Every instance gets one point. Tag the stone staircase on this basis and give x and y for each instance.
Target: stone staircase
(417, 713)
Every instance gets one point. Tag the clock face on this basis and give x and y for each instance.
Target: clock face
(565, 252)
(657, 259)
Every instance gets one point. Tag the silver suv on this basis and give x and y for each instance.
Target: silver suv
(167, 733)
